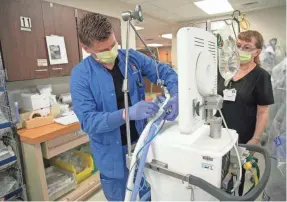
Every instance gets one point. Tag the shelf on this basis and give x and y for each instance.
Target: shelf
(85, 189)
(45, 133)
(62, 144)
(13, 195)
(7, 162)
(5, 125)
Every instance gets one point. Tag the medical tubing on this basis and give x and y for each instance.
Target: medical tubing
(140, 144)
(126, 98)
(244, 21)
(257, 170)
(258, 176)
(139, 173)
(152, 133)
(137, 155)
(222, 195)
(237, 154)
(255, 176)
(146, 196)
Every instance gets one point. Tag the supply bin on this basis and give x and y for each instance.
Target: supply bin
(59, 182)
(87, 161)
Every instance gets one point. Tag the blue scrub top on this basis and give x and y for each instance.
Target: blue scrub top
(95, 104)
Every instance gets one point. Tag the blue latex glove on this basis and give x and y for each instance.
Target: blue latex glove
(172, 108)
(143, 110)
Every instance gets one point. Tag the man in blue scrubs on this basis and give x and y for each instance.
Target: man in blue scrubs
(98, 100)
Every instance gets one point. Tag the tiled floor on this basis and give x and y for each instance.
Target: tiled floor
(99, 196)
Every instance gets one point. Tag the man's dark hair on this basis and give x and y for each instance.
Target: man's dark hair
(94, 27)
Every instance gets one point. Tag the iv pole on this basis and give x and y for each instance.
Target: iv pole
(128, 16)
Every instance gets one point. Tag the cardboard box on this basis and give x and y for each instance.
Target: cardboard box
(33, 102)
(25, 116)
(38, 122)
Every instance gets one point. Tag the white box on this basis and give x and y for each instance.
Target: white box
(32, 102)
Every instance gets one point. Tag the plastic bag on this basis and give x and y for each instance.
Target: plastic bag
(7, 183)
(275, 189)
(5, 151)
(280, 153)
(74, 159)
(56, 180)
(3, 118)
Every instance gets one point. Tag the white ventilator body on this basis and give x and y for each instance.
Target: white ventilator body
(185, 145)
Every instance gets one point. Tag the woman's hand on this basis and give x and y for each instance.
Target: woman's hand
(254, 141)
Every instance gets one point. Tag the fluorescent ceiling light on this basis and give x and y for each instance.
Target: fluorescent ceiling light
(139, 28)
(214, 6)
(166, 36)
(154, 45)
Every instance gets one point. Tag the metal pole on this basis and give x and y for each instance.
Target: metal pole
(159, 82)
(125, 89)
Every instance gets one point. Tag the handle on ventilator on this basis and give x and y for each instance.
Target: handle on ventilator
(252, 195)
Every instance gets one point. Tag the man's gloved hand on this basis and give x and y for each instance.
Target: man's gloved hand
(172, 106)
(143, 110)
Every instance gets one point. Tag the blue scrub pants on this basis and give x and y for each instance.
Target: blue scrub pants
(115, 189)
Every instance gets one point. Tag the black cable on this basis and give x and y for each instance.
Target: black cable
(234, 30)
(232, 26)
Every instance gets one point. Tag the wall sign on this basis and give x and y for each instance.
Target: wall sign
(26, 24)
(42, 62)
(56, 50)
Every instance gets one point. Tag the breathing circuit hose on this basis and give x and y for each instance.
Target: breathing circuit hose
(140, 146)
(153, 132)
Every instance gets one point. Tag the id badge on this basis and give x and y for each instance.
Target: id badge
(229, 94)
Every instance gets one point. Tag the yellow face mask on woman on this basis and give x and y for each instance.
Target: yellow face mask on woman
(245, 57)
(108, 57)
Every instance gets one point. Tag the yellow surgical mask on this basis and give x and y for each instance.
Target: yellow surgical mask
(245, 57)
(108, 57)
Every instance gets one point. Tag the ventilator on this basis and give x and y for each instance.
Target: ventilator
(193, 158)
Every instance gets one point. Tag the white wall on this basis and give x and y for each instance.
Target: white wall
(112, 8)
(269, 22)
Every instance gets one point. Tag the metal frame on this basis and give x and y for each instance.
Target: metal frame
(208, 23)
(8, 133)
(128, 16)
(211, 189)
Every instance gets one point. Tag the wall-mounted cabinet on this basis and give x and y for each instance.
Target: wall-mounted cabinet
(22, 48)
(61, 21)
(24, 26)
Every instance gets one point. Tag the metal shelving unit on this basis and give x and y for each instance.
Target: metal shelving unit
(11, 165)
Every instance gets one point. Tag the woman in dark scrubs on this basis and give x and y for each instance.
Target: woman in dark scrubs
(248, 95)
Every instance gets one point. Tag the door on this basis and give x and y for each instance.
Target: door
(22, 39)
(60, 20)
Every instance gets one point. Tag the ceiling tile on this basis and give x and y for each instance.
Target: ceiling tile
(247, 5)
(169, 5)
(156, 11)
(134, 1)
(189, 11)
